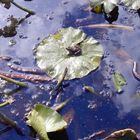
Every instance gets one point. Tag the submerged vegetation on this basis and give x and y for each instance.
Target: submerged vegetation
(61, 58)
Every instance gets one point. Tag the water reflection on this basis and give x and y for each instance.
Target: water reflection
(92, 112)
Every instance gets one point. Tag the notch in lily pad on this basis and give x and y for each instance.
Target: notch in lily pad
(44, 119)
(69, 48)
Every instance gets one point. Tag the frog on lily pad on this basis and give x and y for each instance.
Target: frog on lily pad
(68, 48)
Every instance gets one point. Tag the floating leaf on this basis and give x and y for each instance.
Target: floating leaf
(69, 48)
(125, 134)
(119, 81)
(43, 119)
(107, 5)
(132, 4)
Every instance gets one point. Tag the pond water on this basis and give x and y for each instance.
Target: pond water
(105, 110)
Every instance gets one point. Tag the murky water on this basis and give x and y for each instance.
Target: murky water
(106, 110)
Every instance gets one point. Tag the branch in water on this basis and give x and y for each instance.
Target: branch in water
(29, 77)
(129, 28)
(25, 69)
(7, 102)
(134, 70)
(23, 8)
(55, 91)
(94, 135)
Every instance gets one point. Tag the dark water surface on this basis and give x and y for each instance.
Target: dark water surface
(113, 111)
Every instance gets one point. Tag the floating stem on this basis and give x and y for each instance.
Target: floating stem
(129, 28)
(29, 77)
(7, 102)
(21, 84)
(23, 8)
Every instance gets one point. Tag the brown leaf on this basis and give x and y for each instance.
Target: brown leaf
(125, 134)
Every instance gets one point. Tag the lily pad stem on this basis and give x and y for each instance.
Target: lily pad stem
(55, 91)
(21, 84)
(23, 8)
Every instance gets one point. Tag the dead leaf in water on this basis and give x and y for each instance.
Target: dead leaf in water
(124, 134)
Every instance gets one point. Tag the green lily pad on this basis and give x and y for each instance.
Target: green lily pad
(69, 48)
(43, 119)
(107, 5)
(132, 4)
(119, 81)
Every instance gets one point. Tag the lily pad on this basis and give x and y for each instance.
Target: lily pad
(43, 119)
(69, 48)
(132, 4)
(108, 5)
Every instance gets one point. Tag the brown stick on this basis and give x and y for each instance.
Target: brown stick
(25, 69)
(129, 28)
(29, 77)
(134, 70)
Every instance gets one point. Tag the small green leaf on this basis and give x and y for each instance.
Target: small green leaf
(119, 81)
(43, 119)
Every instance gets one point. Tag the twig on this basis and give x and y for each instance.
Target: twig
(92, 136)
(24, 18)
(25, 69)
(21, 84)
(29, 77)
(134, 70)
(7, 102)
(4, 104)
(58, 86)
(129, 28)
(23, 8)
(6, 58)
